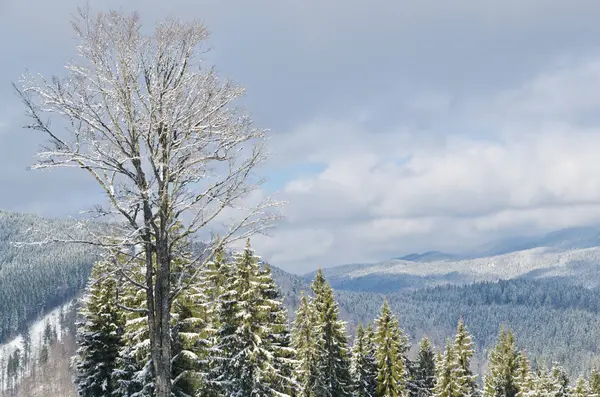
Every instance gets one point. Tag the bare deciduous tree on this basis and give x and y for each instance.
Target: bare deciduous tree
(160, 136)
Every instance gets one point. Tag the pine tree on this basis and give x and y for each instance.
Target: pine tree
(191, 332)
(424, 370)
(308, 345)
(134, 366)
(561, 380)
(99, 334)
(26, 347)
(463, 351)
(335, 358)
(246, 363)
(363, 366)
(501, 381)
(544, 385)
(524, 379)
(445, 381)
(214, 282)
(391, 346)
(594, 382)
(581, 388)
(279, 338)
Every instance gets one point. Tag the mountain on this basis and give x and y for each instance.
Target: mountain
(428, 257)
(572, 253)
(564, 239)
(35, 279)
(549, 295)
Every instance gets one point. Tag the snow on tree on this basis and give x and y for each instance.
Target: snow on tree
(308, 345)
(99, 334)
(594, 382)
(524, 379)
(561, 380)
(134, 372)
(161, 136)
(501, 381)
(279, 338)
(191, 332)
(463, 352)
(246, 362)
(363, 367)
(391, 345)
(581, 388)
(424, 370)
(334, 361)
(445, 381)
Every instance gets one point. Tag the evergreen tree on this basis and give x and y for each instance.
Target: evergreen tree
(191, 332)
(391, 346)
(581, 388)
(594, 382)
(246, 356)
(424, 370)
(99, 334)
(134, 369)
(279, 338)
(544, 385)
(463, 351)
(501, 381)
(308, 345)
(561, 380)
(524, 379)
(445, 382)
(363, 366)
(334, 358)
(26, 347)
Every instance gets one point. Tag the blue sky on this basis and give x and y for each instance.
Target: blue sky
(396, 126)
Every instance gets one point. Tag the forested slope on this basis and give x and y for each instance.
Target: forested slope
(36, 278)
(555, 317)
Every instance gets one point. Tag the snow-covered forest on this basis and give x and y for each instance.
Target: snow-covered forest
(168, 302)
(233, 337)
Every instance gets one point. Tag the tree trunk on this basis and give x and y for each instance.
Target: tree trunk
(162, 327)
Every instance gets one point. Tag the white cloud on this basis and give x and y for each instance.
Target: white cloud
(533, 169)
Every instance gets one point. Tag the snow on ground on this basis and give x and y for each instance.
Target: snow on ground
(36, 330)
(509, 265)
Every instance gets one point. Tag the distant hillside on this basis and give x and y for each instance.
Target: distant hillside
(554, 319)
(397, 275)
(36, 279)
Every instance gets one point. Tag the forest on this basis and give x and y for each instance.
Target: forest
(176, 158)
(233, 337)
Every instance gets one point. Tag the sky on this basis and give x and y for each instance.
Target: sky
(396, 127)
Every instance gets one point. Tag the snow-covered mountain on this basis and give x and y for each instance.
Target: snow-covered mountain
(573, 254)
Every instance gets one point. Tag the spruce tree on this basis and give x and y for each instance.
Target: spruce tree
(581, 388)
(363, 366)
(594, 382)
(463, 352)
(501, 381)
(424, 370)
(561, 380)
(99, 334)
(279, 338)
(308, 345)
(334, 358)
(391, 346)
(246, 364)
(445, 382)
(544, 385)
(524, 379)
(134, 372)
(191, 332)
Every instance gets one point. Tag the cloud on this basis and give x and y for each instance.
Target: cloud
(397, 127)
(533, 169)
